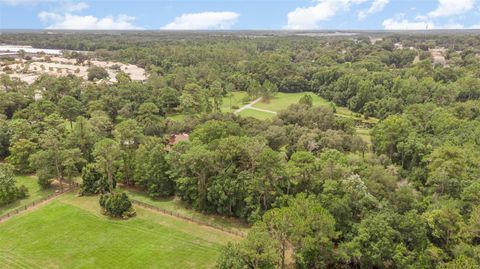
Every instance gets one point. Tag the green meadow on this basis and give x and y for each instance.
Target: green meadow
(70, 232)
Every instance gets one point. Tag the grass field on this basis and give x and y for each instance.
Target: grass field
(236, 100)
(34, 191)
(282, 100)
(176, 117)
(365, 134)
(345, 112)
(256, 114)
(178, 206)
(70, 232)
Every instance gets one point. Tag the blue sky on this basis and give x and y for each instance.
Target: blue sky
(239, 14)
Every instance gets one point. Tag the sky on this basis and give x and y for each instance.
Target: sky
(240, 14)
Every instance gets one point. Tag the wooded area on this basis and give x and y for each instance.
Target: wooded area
(317, 194)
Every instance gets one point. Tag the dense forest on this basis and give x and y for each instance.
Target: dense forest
(316, 194)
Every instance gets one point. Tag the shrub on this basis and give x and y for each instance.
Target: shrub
(115, 67)
(117, 205)
(22, 192)
(306, 100)
(8, 191)
(93, 181)
(44, 179)
(97, 72)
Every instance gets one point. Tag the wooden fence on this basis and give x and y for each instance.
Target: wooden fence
(192, 219)
(136, 202)
(36, 202)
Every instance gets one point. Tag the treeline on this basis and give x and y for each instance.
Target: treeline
(305, 179)
(376, 80)
(414, 205)
(315, 194)
(372, 79)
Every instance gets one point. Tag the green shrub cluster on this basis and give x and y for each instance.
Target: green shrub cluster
(8, 191)
(117, 205)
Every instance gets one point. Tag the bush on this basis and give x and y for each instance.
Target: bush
(116, 67)
(22, 192)
(8, 191)
(93, 181)
(44, 179)
(117, 205)
(97, 72)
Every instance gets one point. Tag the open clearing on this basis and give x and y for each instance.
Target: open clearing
(233, 99)
(34, 192)
(70, 232)
(30, 70)
(267, 110)
(282, 100)
(176, 205)
(256, 114)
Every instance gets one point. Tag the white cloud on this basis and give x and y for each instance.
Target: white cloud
(310, 17)
(403, 24)
(448, 8)
(476, 26)
(78, 22)
(377, 6)
(63, 16)
(73, 7)
(203, 21)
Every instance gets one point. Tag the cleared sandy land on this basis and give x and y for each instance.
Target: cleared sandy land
(438, 56)
(29, 71)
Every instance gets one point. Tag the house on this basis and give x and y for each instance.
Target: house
(175, 138)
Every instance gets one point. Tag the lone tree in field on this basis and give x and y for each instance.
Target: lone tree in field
(306, 100)
(117, 205)
(97, 72)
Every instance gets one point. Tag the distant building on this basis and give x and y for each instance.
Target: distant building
(175, 138)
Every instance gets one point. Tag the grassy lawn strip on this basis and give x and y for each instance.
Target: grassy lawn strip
(70, 232)
(256, 114)
(236, 100)
(282, 100)
(34, 191)
(364, 133)
(177, 206)
(345, 112)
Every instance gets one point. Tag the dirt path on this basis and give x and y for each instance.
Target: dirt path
(250, 106)
(34, 205)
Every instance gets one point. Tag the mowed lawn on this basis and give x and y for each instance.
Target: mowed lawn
(176, 205)
(261, 115)
(34, 191)
(70, 232)
(282, 100)
(234, 99)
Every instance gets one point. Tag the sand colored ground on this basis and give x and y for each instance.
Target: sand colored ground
(29, 71)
